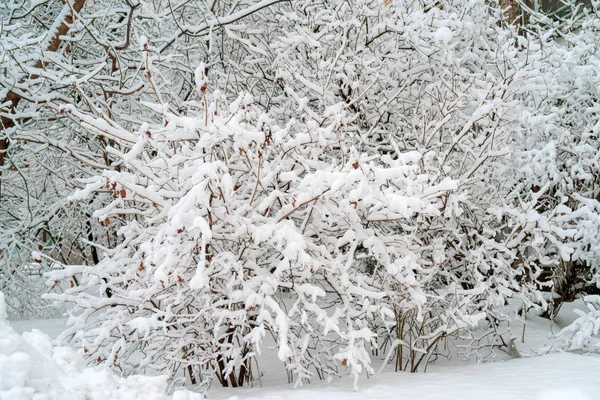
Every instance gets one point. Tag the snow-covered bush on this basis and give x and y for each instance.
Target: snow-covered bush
(557, 164)
(364, 173)
(583, 333)
(239, 227)
(356, 87)
(348, 177)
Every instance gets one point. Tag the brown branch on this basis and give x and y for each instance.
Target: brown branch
(302, 205)
(128, 29)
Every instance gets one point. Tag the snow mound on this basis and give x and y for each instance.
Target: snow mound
(25, 373)
(32, 369)
(3, 314)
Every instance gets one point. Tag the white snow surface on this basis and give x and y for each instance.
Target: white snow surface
(557, 376)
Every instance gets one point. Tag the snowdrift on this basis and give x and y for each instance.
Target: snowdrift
(32, 369)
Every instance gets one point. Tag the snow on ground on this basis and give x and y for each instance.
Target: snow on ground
(556, 376)
(31, 368)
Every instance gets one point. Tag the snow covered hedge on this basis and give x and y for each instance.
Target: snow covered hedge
(238, 228)
(346, 177)
(339, 211)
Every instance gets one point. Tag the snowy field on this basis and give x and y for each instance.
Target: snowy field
(32, 368)
(551, 377)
